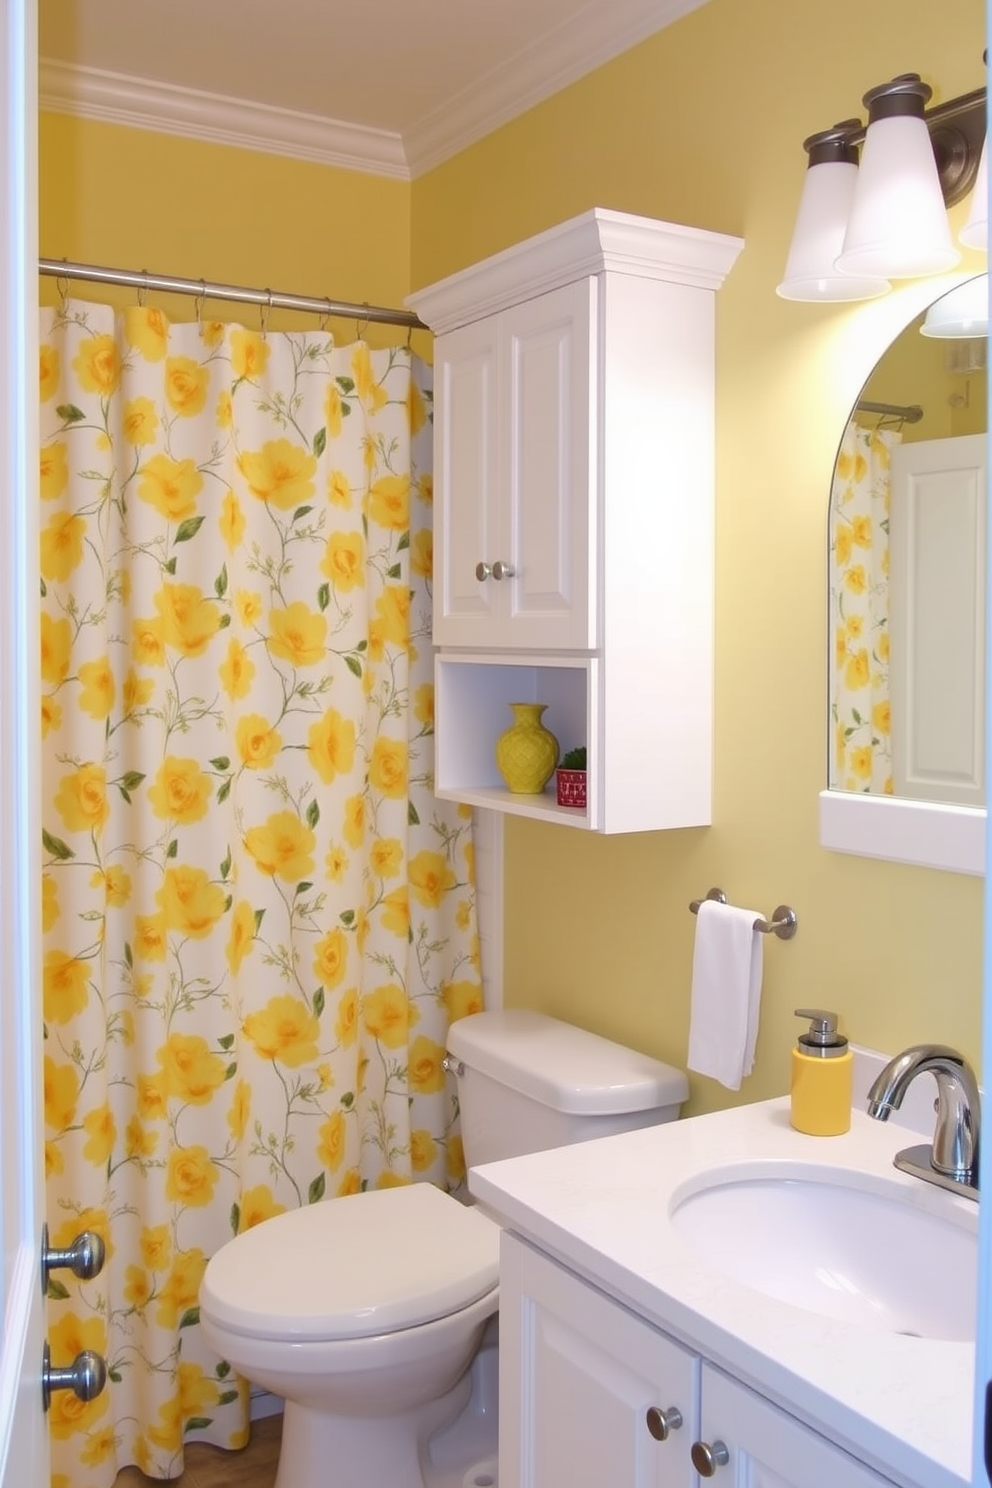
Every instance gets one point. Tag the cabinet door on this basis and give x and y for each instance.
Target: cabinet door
(766, 1448)
(578, 1376)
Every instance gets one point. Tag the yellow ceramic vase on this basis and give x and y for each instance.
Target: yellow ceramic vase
(526, 754)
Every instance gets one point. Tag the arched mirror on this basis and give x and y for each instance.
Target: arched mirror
(907, 598)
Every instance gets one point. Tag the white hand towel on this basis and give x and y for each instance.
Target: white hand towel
(726, 993)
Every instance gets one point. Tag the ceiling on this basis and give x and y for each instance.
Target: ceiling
(384, 85)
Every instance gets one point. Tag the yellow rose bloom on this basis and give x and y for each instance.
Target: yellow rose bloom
(284, 1030)
(424, 1066)
(224, 412)
(339, 490)
(336, 864)
(156, 1246)
(430, 877)
(346, 1022)
(858, 671)
(56, 649)
(150, 942)
(180, 791)
(190, 1176)
(882, 646)
(258, 743)
(98, 365)
(65, 987)
(152, 1102)
(332, 1140)
(257, 1205)
(395, 910)
(62, 546)
(81, 799)
(842, 546)
(116, 885)
(456, 1161)
(231, 521)
(189, 621)
(147, 331)
(137, 1286)
(50, 367)
(856, 580)
(98, 688)
(138, 1140)
(351, 1183)
(49, 901)
(388, 1015)
(54, 470)
(192, 1072)
(101, 1129)
(423, 704)
(249, 354)
(388, 767)
(861, 761)
(389, 502)
(386, 856)
(344, 560)
(372, 394)
(182, 1288)
(61, 1083)
(425, 489)
(297, 635)
(392, 610)
(416, 410)
(461, 999)
(423, 1150)
(331, 959)
(170, 486)
(147, 642)
(242, 935)
(212, 332)
(189, 902)
(140, 421)
(283, 847)
(881, 717)
(331, 746)
(422, 553)
(237, 672)
(237, 1116)
(354, 821)
(186, 384)
(333, 411)
(861, 532)
(248, 605)
(280, 473)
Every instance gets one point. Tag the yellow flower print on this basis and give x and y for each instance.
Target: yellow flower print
(388, 1015)
(249, 354)
(297, 635)
(372, 394)
(186, 384)
(248, 605)
(137, 1287)
(882, 646)
(147, 642)
(182, 1288)
(138, 1140)
(856, 580)
(285, 1029)
(333, 411)
(98, 688)
(231, 521)
(180, 791)
(258, 743)
(49, 901)
(353, 826)
(150, 942)
(257, 1205)
(101, 1129)
(455, 1162)
(425, 1068)
(346, 1022)
(168, 1434)
(188, 620)
(423, 1150)
(857, 672)
(280, 473)
(237, 672)
(461, 999)
(224, 414)
(81, 799)
(861, 532)
(396, 912)
(416, 410)
(152, 1102)
(212, 333)
(843, 545)
(336, 864)
(237, 1116)
(881, 717)
(344, 561)
(430, 878)
(283, 847)
(392, 610)
(425, 489)
(853, 626)
(386, 856)
(170, 486)
(147, 331)
(852, 467)
(331, 959)
(62, 546)
(192, 1072)
(332, 1140)
(54, 471)
(339, 490)
(860, 761)
(61, 1094)
(331, 746)
(388, 767)
(99, 1445)
(116, 885)
(242, 935)
(140, 422)
(50, 367)
(56, 649)
(423, 704)
(389, 502)
(65, 987)
(189, 902)
(351, 1183)
(190, 1176)
(422, 553)
(98, 365)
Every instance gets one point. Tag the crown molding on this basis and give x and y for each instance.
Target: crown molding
(141, 103)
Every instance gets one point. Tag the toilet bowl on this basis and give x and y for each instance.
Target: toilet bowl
(365, 1314)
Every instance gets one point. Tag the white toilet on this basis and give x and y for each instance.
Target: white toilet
(365, 1314)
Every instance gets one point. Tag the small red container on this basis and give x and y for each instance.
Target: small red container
(571, 787)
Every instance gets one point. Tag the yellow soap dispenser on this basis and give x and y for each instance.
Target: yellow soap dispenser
(822, 1076)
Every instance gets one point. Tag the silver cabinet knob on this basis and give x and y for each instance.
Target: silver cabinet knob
(86, 1376)
(661, 1423)
(482, 572)
(706, 1458)
(85, 1256)
(503, 570)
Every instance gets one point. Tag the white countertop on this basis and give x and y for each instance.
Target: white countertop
(902, 1404)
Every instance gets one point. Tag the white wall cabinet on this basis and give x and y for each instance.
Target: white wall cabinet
(573, 492)
(590, 1394)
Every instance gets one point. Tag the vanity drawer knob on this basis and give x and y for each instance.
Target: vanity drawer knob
(503, 570)
(706, 1458)
(482, 572)
(661, 1423)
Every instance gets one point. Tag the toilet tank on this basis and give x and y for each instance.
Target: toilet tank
(527, 1082)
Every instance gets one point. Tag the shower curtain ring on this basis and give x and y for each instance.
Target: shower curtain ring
(143, 289)
(63, 286)
(263, 314)
(362, 324)
(198, 305)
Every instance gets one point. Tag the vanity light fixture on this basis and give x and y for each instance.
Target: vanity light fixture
(961, 314)
(859, 227)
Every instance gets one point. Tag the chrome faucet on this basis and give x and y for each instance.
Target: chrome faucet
(952, 1159)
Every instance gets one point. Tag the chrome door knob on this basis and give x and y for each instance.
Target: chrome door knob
(503, 570)
(482, 572)
(706, 1458)
(85, 1376)
(661, 1423)
(84, 1257)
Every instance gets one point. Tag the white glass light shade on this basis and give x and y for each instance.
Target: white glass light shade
(961, 313)
(824, 207)
(898, 226)
(975, 233)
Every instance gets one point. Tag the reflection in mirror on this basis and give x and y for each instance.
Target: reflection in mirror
(907, 558)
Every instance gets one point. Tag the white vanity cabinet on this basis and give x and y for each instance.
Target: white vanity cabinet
(573, 514)
(591, 1394)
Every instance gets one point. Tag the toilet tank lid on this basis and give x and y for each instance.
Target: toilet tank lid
(562, 1066)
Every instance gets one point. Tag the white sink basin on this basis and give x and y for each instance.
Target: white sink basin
(847, 1247)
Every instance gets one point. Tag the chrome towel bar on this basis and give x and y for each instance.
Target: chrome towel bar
(783, 922)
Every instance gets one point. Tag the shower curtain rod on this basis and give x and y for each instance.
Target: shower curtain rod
(206, 289)
(910, 414)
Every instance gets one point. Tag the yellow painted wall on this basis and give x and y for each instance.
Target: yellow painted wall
(704, 124)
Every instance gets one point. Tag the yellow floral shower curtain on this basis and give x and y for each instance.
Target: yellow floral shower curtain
(259, 921)
(861, 757)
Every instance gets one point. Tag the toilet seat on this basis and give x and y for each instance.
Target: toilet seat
(376, 1262)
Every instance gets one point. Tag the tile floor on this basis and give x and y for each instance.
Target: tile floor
(209, 1467)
